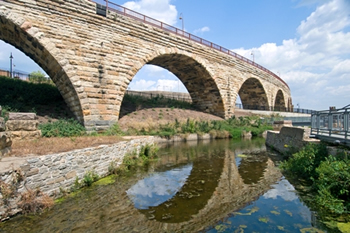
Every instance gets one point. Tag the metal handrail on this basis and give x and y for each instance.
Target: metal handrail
(333, 123)
(148, 20)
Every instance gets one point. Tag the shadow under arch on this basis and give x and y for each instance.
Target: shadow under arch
(253, 95)
(18, 37)
(280, 104)
(196, 78)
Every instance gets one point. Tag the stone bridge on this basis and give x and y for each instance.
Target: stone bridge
(92, 59)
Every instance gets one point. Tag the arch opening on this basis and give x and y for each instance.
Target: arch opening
(198, 81)
(253, 95)
(280, 104)
(188, 75)
(17, 37)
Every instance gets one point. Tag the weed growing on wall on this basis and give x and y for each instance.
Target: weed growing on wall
(134, 160)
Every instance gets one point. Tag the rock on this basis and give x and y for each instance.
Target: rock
(22, 116)
(2, 124)
(18, 125)
(18, 135)
(5, 140)
(246, 135)
(5, 144)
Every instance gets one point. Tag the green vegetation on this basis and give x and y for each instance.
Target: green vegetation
(134, 160)
(327, 175)
(62, 128)
(139, 102)
(39, 77)
(19, 95)
(233, 128)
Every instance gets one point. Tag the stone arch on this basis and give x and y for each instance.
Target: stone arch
(21, 34)
(280, 104)
(195, 76)
(253, 95)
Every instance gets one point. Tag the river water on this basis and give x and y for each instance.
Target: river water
(206, 186)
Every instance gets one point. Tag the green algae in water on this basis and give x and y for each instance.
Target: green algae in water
(311, 230)
(288, 212)
(106, 180)
(275, 212)
(253, 210)
(221, 228)
(281, 228)
(343, 227)
(264, 219)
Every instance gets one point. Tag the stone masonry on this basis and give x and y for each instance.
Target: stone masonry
(92, 59)
(55, 172)
(23, 126)
(5, 139)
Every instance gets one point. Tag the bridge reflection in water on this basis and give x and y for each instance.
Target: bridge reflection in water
(190, 188)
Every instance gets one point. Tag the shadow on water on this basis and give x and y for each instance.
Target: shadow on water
(192, 187)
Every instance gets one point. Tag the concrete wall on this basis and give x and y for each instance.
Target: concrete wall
(53, 172)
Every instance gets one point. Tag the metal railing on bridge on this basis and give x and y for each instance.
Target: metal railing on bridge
(275, 108)
(112, 7)
(332, 125)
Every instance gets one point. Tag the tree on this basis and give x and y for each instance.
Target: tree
(39, 77)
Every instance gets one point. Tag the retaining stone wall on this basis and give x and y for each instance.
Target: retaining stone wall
(55, 172)
(289, 139)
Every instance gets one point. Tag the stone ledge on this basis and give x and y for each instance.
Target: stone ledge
(22, 125)
(22, 116)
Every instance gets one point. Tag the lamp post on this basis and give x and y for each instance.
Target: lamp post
(11, 57)
(182, 19)
(252, 53)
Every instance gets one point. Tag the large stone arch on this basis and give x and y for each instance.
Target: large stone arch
(253, 95)
(195, 76)
(31, 41)
(279, 104)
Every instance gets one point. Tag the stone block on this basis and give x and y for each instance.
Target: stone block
(277, 125)
(192, 137)
(18, 135)
(22, 125)
(2, 125)
(22, 116)
(293, 132)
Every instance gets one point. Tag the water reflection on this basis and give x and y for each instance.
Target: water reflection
(191, 186)
(158, 187)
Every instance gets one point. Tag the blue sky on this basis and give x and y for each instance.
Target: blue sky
(307, 42)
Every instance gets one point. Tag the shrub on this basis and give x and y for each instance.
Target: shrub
(62, 128)
(305, 162)
(34, 201)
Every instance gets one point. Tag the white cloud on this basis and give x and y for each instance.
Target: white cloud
(202, 30)
(161, 10)
(282, 189)
(316, 65)
(167, 85)
(141, 85)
